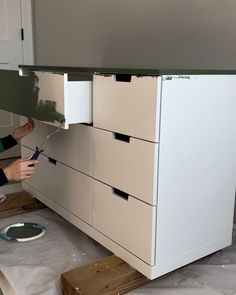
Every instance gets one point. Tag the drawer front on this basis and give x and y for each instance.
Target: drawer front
(51, 90)
(126, 220)
(67, 187)
(130, 108)
(72, 147)
(129, 166)
(60, 98)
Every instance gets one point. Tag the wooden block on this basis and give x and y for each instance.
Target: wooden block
(110, 275)
(5, 285)
(19, 203)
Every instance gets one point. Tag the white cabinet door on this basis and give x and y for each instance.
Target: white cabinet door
(10, 34)
(11, 54)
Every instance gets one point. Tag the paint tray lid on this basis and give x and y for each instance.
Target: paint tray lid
(23, 232)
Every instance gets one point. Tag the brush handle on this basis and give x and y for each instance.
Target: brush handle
(35, 155)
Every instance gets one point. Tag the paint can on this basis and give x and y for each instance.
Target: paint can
(23, 232)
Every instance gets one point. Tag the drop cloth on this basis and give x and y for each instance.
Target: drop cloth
(34, 268)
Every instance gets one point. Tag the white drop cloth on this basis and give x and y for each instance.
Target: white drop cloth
(34, 268)
(213, 275)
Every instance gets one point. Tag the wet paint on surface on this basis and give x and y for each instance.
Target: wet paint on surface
(20, 95)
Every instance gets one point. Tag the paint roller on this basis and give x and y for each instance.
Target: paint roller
(38, 149)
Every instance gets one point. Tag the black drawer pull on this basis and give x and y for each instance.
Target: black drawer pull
(123, 78)
(122, 137)
(53, 161)
(120, 193)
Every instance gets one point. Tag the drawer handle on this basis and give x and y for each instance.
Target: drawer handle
(120, 193)
(123, 78)
(52, 161)
(122, 137)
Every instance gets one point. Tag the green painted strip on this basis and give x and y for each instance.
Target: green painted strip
(20, 95)
(127, 71)
(1, 147)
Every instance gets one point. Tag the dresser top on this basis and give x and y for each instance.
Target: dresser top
(125, 71)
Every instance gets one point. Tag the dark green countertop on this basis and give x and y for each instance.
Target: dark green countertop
(121, 71)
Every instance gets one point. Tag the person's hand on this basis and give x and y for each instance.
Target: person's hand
(24, 130)
(20, 170)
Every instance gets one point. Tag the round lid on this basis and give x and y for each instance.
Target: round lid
(23, 232)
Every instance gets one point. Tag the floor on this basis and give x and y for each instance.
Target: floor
(64, 247)
(213, 275)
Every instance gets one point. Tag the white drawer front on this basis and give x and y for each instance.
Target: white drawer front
(67, 187)
(72, 147)
(130, 108)
(128, 222)
(129, 166)
(59, 96)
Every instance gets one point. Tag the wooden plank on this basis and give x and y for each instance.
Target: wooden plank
(5, 285)
(110, 275)
(19, 203)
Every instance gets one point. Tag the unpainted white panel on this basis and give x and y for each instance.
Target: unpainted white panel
(197, 164)
(129, 166)
(130, 108)
(128, 222)
(72, 147)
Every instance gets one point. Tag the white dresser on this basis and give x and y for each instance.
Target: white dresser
(153, 178)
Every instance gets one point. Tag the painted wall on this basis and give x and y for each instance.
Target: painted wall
(136, 33)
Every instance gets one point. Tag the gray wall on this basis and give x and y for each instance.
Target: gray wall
(136, 33)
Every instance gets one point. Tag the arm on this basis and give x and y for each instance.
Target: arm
(18, 170)
(20, 132)
(5, 143)
(3, 179)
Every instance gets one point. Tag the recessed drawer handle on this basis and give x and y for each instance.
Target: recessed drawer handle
(122, 77)
(120, 193)
(122, 137)
(52, 161)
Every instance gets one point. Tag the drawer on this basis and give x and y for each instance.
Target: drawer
(126, 220)
(67, 187)
(72, 147)
(47, 97)
(58, 96)
(130, 108)
(126, 163)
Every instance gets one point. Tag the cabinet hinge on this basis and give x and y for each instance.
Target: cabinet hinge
(22, 34)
